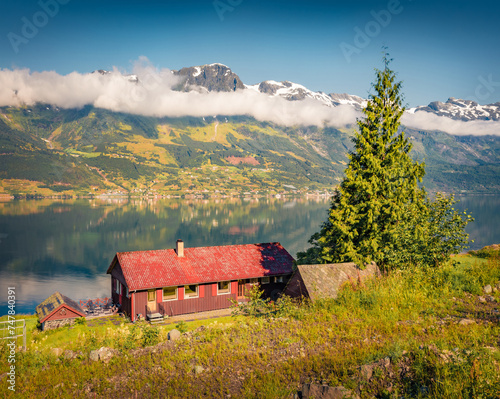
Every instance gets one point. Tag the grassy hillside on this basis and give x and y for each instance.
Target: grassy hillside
(413, 333)
(46, 150)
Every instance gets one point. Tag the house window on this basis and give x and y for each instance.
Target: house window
(190, 291)
(264, 280)
(278, 279)
(254, 281)
(127, 294)
(151, 295)
(117, 286)
(224, 287)
(169, 293)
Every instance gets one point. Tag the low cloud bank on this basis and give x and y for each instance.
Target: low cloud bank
(153, 95)
(426, 121)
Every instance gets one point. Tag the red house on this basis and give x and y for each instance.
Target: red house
(57, 311)
(179, 281)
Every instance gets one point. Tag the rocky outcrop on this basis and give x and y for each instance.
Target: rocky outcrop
(213, 77)
(103, 354)
(317, 391)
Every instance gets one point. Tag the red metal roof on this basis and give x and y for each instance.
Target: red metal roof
(163, 268)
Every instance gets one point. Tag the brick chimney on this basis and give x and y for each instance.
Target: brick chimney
(179, 248)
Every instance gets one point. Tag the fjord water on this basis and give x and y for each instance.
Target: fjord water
(67, 245)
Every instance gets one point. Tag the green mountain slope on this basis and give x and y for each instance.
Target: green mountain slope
(46, 150)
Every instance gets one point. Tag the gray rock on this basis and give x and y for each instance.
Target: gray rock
(94, 355)
(490, 298)
(174, 334)
(103, 354)
(488, 289)
(466, 322)
(317, 391)
(69, 354)
(481, 299)
(198, 369)
(367, 371)
(57, 351)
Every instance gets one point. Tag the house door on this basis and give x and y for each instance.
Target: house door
(241, 288)
(151, 301)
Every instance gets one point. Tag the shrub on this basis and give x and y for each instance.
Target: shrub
(149, 336)
(181, 326)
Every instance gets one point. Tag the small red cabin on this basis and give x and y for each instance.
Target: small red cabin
(179, 281)
(57, 311)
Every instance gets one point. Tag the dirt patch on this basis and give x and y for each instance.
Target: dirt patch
(237, 160)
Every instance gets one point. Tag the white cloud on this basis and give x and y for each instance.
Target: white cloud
(153, 95)
(427, 121)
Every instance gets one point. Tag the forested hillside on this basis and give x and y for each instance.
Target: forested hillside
(47, 150)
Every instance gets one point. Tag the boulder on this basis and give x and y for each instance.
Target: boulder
(317, 391)
(488, 289)
(367, 371)
(198, 369)
(174, 334)
(466, 322)
(56, 351)
(103, 354)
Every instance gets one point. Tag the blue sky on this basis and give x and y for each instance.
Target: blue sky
(440, 49)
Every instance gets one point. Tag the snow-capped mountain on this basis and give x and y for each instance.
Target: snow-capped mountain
(213, 77)
(348, 99)
(464, 110)
(131, 78)
(219, 77)
(289, 90)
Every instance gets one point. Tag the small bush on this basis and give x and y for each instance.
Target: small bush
(181, 326)
(80, 321)
(150, 336)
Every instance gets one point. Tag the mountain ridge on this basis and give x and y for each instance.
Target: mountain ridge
(456, 109)
(218, 77)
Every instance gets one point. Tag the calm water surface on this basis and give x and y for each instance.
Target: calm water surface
(67, 245)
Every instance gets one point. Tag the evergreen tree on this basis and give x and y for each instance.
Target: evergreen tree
(378, 213)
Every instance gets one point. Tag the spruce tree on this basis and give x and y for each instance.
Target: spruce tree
(379, 193)
(379, 213)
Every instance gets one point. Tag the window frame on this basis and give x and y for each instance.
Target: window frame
(192, 296)
(224, 292)
(118, 288)
(176, 290)
(154, 294)
(253, 281)
(265, 280)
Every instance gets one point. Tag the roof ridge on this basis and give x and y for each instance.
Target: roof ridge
(207, 246)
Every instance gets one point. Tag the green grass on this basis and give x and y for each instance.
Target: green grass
(411, 317)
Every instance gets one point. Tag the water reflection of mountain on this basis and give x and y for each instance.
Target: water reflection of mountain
(486, 212)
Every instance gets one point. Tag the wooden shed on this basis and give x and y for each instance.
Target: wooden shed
(188, 280)
(58, 310)
(324, 281)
